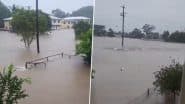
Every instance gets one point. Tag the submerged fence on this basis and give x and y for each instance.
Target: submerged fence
(45, 59)
(149, 97)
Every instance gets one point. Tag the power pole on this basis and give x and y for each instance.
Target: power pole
(123, 15)
(37, 27)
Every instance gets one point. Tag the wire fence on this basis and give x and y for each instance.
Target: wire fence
(151, 96)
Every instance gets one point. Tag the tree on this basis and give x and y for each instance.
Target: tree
(59, 13)
(99, 30)
(86, 11)
(4, 13)
(80, 28)
(165, 35)
(147, 28)
(168, 79)
(84, 47)
(136, 33)
(110, 33)
(177, 36)
(11, 87)
(23, 23)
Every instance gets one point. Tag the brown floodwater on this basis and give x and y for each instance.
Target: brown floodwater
(139, 60)
(63, 80)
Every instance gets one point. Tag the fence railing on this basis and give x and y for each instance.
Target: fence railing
(43, 60)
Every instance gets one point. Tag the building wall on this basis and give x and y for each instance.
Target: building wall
(55, 24)
(7, 25)
(66, 24)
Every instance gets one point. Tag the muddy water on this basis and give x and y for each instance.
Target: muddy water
(139, 60)
(63, 80)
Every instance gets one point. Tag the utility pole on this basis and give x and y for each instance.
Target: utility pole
(37, 27)
(123, 15)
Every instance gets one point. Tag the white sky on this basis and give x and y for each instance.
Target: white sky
(164, 14)
(48, 5)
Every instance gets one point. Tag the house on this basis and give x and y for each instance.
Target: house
(68, 22)
(55, 22)
(7, 23)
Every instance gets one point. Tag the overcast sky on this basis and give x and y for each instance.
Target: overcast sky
(164, 14)
(48, 5)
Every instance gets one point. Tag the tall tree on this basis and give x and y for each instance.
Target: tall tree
(4, 13)
(86, 11)
(147, 28)
(23, 23)
(136, 33)
(165, 35)
(110, 32)
(59, 13)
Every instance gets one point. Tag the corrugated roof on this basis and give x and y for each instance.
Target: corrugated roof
(76, 18)
(7, 19)
(53, 17)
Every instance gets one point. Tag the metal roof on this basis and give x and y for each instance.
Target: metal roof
(7, 19)
(53, 17)
(77, 18)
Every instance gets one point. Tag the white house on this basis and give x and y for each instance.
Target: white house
(68, 22)
(55, 22)
(7, 23)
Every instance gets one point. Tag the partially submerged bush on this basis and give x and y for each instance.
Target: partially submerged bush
(168, 79)
(11, 86)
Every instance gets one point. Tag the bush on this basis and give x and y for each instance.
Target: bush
(168, 79)
(11, 87)
(84, 47)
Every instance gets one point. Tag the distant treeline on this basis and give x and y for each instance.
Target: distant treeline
(86, 11)
(4, 13)
(146, 32)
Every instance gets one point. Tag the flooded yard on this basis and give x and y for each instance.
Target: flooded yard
(63, 80)
(124, 75)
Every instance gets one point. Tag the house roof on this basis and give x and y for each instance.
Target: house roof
(7, 19)
(77, 18)
(53, 17)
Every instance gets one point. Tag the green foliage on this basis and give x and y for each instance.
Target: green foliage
(4, 13)
(168, 79)
(110, 33)
(136, 33)
(84, 47)
(59, 13)
(84, 11)
(81, 28)
(99, 30)
(23, 23)
(177, 37)
(11, 87)
(165, 35)
(147, 28)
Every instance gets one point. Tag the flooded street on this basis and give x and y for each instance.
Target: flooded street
(63, 80)
(139, 60)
